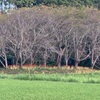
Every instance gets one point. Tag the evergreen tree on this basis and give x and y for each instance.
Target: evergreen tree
(76, 3)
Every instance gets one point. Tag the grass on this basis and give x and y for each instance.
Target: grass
(46, 90)
(49, 84)
(80, 78)
(46, 70)
(81, 75)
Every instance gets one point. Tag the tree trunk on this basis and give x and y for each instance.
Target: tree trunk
(32, 59)
(20, 58)
(45, 62)
(2, 64)
(16, 62)
(92, 66)
(45, 57)
(20, 64)
(92, 60)
(6, 62)
(59, 61)
(76, 64)
(76, 58)
(66, 60)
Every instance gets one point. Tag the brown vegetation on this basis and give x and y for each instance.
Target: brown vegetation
(58, 35)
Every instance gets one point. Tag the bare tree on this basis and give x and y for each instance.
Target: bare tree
(56, 32)
(80, 31)
(95, 44)
(29, 36)
(94, 37)
(20, 35)
(3, 44)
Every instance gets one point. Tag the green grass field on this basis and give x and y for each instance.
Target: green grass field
(11, 89)
(49, 84)
(79, 78)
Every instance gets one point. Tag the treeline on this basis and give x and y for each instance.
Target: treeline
(51, 36)
(75, 3)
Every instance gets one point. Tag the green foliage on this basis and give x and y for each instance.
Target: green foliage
(77, 3)
(80, 78)
(24, 3)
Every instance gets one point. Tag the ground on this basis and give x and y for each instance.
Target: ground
(47, 90)
(40, 83)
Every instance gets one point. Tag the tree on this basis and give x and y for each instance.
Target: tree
(2, 6)
(3, 44)
(94, 35)
(80, 30)
(19, 35)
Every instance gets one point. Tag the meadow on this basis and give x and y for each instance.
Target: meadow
(47, 90)
(45, 84)
(35, 43)
(80, 75)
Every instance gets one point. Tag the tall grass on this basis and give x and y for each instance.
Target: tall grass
(82, 78)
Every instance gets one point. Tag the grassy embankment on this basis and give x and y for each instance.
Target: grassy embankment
(81, 75)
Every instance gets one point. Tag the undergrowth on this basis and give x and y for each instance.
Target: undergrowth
(81, 78)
